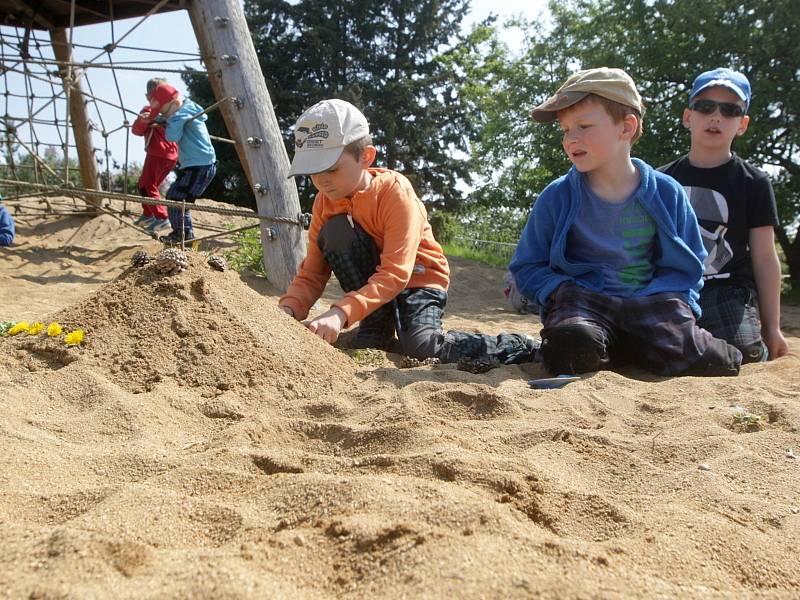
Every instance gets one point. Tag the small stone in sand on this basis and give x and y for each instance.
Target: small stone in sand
(704, 467)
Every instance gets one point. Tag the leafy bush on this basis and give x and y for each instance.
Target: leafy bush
(248, 254)
(445, 226)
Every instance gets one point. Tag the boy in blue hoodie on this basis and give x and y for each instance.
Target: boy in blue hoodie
(612, 253)
(6, 226)
(197, 160)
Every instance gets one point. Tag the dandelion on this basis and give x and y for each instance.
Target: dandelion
(54, 329)
(20, 327)
(36, 329)
(74, 338)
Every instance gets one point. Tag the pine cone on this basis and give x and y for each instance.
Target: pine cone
(215, 261)
(171, 261)
(409, 362)
(140, 259)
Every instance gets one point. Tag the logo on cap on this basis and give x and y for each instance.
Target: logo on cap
(313, 137)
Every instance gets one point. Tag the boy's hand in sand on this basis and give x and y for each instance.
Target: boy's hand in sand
(328, 324)
(287, 310)
(775, 342)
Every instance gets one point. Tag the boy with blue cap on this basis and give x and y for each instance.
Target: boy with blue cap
(735, 206)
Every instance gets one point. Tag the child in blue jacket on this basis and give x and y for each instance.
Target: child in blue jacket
(612, 253)
(197, 159)
(6, 226)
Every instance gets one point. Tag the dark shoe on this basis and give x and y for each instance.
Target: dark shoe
(174, 238)
(477, 365)
(533, 344)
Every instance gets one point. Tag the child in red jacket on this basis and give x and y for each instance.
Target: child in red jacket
(160, 159)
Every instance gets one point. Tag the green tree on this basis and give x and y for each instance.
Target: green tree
(390, 59)
(27, 168)
(512, 157)
(663, 44)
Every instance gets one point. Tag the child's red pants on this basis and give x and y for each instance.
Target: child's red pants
(154, 171)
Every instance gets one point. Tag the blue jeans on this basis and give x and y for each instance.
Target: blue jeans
(190, 185)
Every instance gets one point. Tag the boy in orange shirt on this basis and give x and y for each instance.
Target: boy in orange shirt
(369, 228)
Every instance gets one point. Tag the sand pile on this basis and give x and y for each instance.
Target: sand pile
(199, 329)
(142, 465)
(56, 260)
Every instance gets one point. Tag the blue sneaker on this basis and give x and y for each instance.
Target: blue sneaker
(158, 224)
(144, 222)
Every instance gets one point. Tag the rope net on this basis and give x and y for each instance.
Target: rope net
(38, 151)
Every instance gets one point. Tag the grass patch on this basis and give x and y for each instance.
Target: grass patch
(368, 357)
(484, 256)
(248, 254)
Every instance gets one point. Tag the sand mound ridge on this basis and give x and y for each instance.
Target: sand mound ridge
(197, 329)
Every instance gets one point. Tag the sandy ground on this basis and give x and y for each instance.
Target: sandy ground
(202, 444)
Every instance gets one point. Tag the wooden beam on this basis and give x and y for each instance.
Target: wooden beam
(29, 13)
(77, 114)
(233, 70)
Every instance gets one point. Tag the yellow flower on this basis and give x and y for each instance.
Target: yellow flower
(54, 329)
(74, 338)
(20, 327)
(36, 329)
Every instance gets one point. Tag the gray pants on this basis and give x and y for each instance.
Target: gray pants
(415, 314)
(730, 312)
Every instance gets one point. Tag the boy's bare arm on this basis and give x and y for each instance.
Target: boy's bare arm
(767, 272)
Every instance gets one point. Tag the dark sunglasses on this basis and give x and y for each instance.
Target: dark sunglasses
(726, 109)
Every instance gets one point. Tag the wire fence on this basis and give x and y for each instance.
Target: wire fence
(489, 251)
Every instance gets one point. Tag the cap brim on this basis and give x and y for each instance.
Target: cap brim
(546, 112)
(314, 161)
(722, 83)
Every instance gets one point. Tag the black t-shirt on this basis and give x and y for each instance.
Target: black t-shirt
(729, 201)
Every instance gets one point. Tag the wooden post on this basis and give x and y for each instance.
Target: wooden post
(233, 70)
(78, 115)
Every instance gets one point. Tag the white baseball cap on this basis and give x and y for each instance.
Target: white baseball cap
(322, 132)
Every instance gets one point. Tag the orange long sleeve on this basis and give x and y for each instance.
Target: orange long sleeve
(390, 212)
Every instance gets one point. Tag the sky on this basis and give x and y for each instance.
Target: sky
(169, 32)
